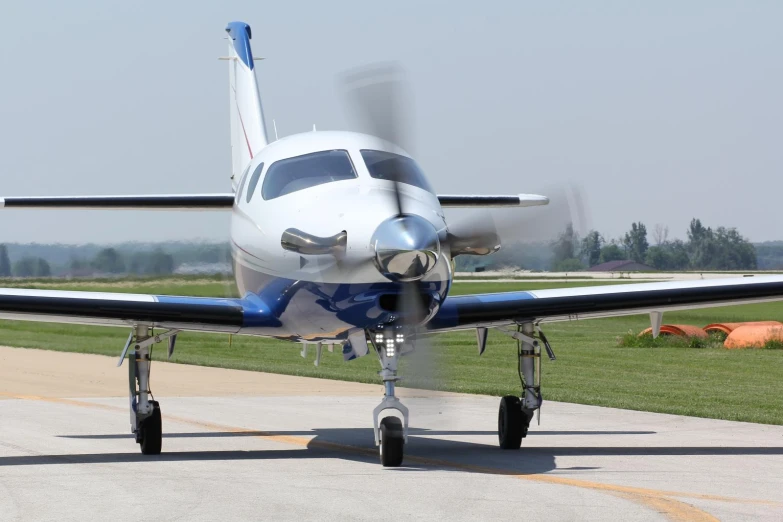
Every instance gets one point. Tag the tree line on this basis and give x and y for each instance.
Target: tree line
(108, 261)
(705, 248)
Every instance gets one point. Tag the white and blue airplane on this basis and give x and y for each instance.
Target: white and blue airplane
(339, 240)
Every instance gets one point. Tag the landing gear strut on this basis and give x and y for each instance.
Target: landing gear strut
(391, 434)
(144, 412)
(515, 413)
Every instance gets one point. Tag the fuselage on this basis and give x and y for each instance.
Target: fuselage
(325, 183)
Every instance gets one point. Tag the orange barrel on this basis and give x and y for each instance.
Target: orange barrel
(681, 330)
(753, 336)
(727, 328)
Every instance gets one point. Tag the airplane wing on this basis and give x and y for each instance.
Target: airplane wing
(147, 202)
(226, 201)
(571, 304)
(117, 309)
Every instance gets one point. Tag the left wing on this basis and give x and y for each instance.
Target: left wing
(116, 309)
(571, 304)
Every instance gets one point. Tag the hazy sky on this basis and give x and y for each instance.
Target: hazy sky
(662, 111)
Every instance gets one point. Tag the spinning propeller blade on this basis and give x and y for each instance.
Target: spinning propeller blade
(378, 97)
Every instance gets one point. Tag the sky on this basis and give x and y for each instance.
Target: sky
(659, 111)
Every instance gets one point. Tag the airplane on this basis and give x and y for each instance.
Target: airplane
(338, 239)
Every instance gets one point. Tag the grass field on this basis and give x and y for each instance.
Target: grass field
(591, 368)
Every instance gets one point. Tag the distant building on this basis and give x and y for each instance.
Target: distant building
(203, 269)
(627, 265)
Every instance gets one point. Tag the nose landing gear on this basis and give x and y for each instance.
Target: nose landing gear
(391, 434)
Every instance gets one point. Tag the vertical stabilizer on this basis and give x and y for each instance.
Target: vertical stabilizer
(248, 131)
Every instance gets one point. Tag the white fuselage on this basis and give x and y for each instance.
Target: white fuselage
(324, 296)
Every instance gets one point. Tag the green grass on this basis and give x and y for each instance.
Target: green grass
(592, 366)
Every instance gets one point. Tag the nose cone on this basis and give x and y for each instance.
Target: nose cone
(406, 247)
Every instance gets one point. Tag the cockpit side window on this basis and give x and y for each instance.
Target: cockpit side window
(293, 174)
(241, 185)
(394, 167)
(253, 183)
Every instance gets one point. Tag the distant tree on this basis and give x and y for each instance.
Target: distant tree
(660, 234)
(160, 263)
(635, 242)
(719, 249)
(611, 252)
(769, 255)
(108, 261)
(5, 262)
(32, 267)
(156, 262)
(568, 265)
(42, 268)
(670, 255)
(590, 250)
(79, 267)
(734, 251)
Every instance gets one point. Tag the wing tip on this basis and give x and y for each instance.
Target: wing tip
(532, 200)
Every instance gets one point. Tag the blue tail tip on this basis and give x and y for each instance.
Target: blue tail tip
(240, 34)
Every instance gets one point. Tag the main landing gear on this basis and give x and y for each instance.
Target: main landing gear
(515, 413)
(145, 416)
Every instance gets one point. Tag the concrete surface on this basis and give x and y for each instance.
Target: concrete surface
(252, 446)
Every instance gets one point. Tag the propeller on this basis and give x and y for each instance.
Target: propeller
(378, 97)
(476, 231)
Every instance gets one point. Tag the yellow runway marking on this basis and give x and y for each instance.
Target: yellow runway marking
(659, 500)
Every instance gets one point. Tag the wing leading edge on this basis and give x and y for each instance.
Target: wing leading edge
(118, 309)
(570, 304)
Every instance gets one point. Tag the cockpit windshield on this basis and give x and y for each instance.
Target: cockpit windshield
(294, 174)
(394, 167)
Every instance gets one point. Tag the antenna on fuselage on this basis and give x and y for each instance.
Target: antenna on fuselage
(275, 126)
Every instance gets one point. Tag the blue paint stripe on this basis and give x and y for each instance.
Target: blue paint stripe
(449, 313)
(239, 32)
(255, 312)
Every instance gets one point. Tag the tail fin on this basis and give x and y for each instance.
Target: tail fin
(248, 130)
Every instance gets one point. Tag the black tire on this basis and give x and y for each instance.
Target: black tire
(512, 423)
(151, 431)
(392, 442)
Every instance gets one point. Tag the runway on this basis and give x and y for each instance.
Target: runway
(247, 446)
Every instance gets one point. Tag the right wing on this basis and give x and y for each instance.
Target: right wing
(226, 315)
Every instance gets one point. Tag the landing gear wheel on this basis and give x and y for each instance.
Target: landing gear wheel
(392, 442)
(512, 423)
(151, 432)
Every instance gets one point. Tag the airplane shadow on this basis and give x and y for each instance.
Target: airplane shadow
(356, 444)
